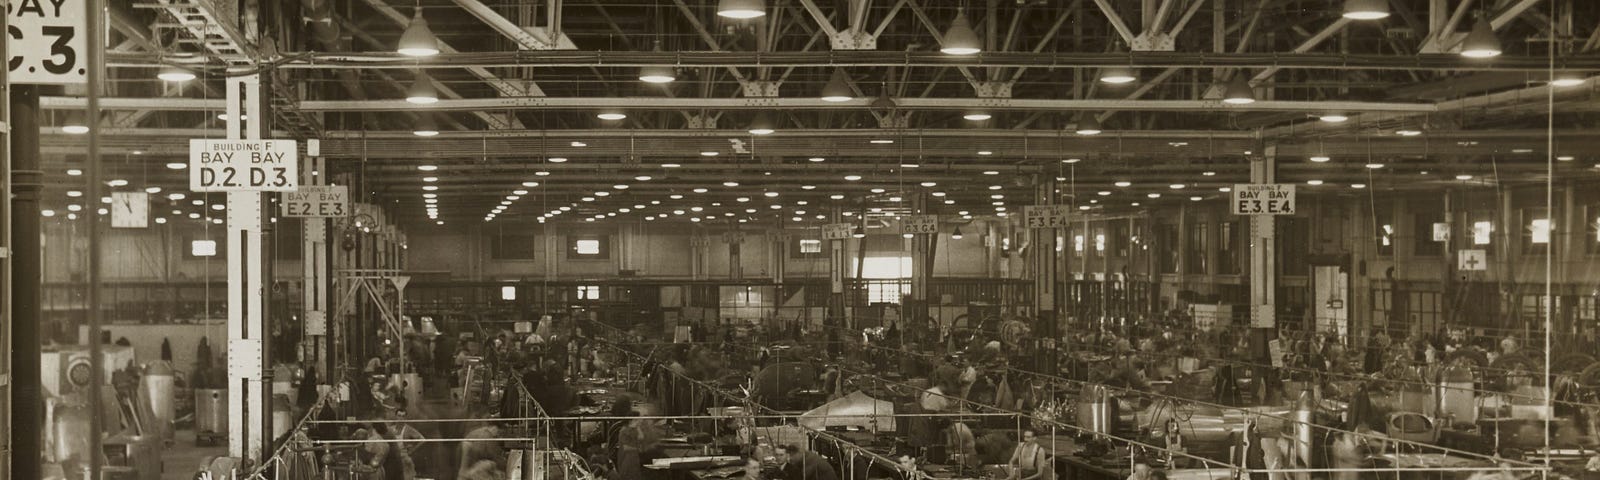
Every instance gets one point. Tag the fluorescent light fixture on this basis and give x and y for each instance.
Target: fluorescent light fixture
(177, 165)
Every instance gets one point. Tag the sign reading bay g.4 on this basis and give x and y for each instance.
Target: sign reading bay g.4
(243, 165)
(1046, 216)
(1263, 199)
(317, 201)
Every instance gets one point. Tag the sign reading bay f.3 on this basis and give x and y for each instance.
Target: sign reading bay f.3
(48, 41)
(1263, 199)
(243, 165)
(317, 201)
(1046, 216)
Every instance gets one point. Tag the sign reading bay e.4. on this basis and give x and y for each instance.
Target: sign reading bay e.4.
(317, 201)
(1263, 199)
(243, 165)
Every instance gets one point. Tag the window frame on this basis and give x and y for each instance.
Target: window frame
(604, 244)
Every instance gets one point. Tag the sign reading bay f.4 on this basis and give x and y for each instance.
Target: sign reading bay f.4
(48, 41)
(919, 224)
(243, 165)
(1046, 216)
(1263, 199)
(317, 201)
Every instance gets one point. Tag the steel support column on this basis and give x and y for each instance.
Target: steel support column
(921, 268)
(27, 180)
(1263, 261)
(1046, 282)
(838, 254)
(316, 273)
(247, 393)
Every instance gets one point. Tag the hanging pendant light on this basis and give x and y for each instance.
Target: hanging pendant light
(657, 74)
(1481, 42)
(960, 39)
(838, 88)
(418, 40)
(742, 9)
(762, 124)
(1088, 124)
(75, 124)
(1568, 79)
(1118, 75)
(422, 91)
(1238, 91)
(172, 73)
(611, 115)
(956, 235)
(1366, 9)
(977, 116)
(425, 126)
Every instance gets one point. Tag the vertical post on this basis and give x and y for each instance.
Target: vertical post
(7, 280)
(246, 391)
(1263, 260)
(27, 412)
(96, 79)
(838, 253)
(921, 267)
(735, 262)
(315, 272)
(1042, 256)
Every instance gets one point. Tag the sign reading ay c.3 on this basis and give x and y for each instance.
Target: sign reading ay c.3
(48, 41)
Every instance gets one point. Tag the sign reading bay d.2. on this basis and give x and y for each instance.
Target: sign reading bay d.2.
(48, 41)
(1263, 199)
(243, 165)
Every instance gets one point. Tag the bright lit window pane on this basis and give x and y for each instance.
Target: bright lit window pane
(508, 293)
(1481, 232)
(886, 267)
(588, 247)
(1077, 243)
(203, 248)
(810, 246)
(1100, 242)
(589, 292)
(1541, 230)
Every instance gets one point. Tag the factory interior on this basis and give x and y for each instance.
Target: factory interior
(800, 240)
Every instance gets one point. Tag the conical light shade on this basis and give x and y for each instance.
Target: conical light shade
(75, 124)
(1088, 124)
(657, 74)
(422, 91)
(956, 235)
(425, 127)
(175, 74)
(1239, 91)
(960, 39)
(741, 9)
(1118, 75)
(762, 124)
(1481, 43)
(1366, 9)
(837, 89)
(418, 41)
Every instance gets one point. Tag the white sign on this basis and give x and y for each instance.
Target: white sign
(243, 166)
(1441, 232)
(836, 231)
(919, 224)
(1473, 260)
(1263, 199)
(203, 248)
(49, 41)
(1046, 216)
(317, 201)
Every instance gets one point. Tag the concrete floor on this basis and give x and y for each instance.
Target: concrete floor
(181, 460)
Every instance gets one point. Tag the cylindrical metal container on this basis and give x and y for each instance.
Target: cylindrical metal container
(1095, 407)
(159, 389)
(282, 415)
(210, 411)
(1457, 400)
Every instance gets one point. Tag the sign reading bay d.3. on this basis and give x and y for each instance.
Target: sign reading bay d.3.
(243, 165)
(1263, 199)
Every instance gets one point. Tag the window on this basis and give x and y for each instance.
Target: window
(1167, 246)
(1228, 248)
(1593, 220)
(589, 247)
(1429, 234)
(808, 248)
(1482, 232)
(1383, 230)
(1119, 238)
(512, 247)
(1536, 230)
(1077, 245)
(508, 293)
(884, 277)
(1294, 244)
(203, 248)
(588, 292)
(808, 245)
(1198, 247)
(1100, 242)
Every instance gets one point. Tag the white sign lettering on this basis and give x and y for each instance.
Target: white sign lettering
(49, 41)
(1046, 216)
(919, 224)
(1263, 199)
(243, 165)
(836, 231)
(317, 201)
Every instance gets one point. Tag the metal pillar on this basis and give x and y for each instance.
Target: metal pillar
(838, 254)
(7, 282)
(735, 240)
(917, 309)
(316, 272)
(26, 402)
(1046, 278)
(1263, 260)
(247, 393)
(96, 189)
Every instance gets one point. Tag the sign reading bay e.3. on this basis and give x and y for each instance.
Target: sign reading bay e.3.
(317, 201)
(243, 165)
(1263, 199)
(48, 41)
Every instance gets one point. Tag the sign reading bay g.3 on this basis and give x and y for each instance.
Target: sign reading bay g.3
(1263, 199)
(243, 165)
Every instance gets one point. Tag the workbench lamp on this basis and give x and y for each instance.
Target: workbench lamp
(1481, 42)
(418, 40)
(960, 39)
(1366, 9)
(741, 9)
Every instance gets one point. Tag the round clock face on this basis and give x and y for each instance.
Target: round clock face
(79, 374)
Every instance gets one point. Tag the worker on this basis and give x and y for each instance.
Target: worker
(481, 445)
(1141, 470)
(1026, 458)
(637, 444)
(752, 469)
(805, 465)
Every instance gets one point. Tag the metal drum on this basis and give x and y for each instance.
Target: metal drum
(1458, 402)
(71, 434)
(210, 415)
(410, 387)
(1095, 409)
(1416, 395)
(159, 387)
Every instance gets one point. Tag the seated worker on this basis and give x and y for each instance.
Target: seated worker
(1026, 461)
(805, 465)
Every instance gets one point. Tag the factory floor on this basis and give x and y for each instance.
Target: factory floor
(182, 459)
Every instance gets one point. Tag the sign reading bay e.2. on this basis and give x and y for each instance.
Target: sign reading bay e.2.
(1263, 199)
(317, 201)
(1046, 216)
(243, 165)
(48, 41)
